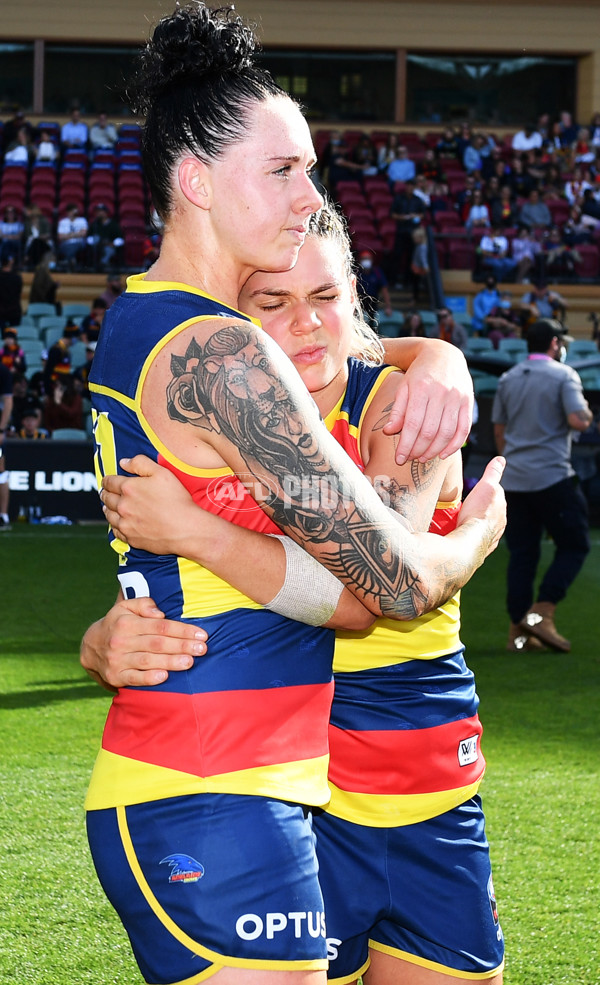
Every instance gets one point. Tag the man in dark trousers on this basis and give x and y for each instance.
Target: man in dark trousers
(538, 403)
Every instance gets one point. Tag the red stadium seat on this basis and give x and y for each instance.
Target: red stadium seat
(589, 266)
(461, 254)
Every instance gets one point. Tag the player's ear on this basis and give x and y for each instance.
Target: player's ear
(194, 182)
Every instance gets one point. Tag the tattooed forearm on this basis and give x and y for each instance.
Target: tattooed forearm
(230, 386)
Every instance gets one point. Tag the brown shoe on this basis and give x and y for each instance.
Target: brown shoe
(539, 622)
(518, 641)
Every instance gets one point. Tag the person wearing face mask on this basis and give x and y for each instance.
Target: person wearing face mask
(371, 287)
(503, 320)
(537, 406)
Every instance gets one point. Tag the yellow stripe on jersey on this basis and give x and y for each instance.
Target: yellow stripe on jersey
(119, 780)
(393, 810)
(390, 641)
(205, 594)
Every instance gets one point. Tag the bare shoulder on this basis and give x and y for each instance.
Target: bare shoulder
(185, 389)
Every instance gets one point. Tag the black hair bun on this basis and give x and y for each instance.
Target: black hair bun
(189, 47)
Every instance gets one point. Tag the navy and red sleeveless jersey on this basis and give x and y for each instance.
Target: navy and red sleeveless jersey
(252, 715)
(404, 738)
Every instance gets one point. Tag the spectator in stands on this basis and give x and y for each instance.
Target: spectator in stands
(58, 361)
(526, 139)
(434, 183)
(494, 254)
(567, 129)
(11, 128)
(92, 323)
(71, 233)
(447, 147)
(483, 302)
(11, 353)
(107, 238)
(464, 198)
(21, 149)
(536, 166)
(364, 154)
(472, 158)
(114, 288)
(103, 135)
(336, 162)
(560, 259)
(63, 407)
(372, 287)
(46, 149)
(541, 302)
(526, 251)
(419, 265)
(534, 213)
(421, 190)
(575, 186)
(503, 209)
(43, 285)
(583, 152)
(37, 234)
(464, 136)
(590, 209)
(552, 186)
(450, 330)
(478, 214)
(21, 398)
(402, 168)
(31, 423)
(82, 373)
(407, 210)
(387, 152)
(575, 230)
(11, 234)
(11, 286)
(413, 325)
(503, 321)
(74, 133)
(595, 130)
(519, 180)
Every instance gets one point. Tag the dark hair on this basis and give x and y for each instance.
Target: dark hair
(195, 82)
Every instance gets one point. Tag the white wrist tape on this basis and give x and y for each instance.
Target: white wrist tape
(310, 593)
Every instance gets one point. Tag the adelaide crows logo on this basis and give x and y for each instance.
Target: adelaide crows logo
(184, 868)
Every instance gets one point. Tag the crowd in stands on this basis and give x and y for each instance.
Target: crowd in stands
(77, 190)
(49, 357)
(524, 206)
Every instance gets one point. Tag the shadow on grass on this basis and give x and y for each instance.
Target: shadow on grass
(53, 647)
(36, 698)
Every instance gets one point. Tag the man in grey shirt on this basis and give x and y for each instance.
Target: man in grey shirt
(539, 402)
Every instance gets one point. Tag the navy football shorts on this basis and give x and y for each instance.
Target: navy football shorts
(421, 892)
(212, 880)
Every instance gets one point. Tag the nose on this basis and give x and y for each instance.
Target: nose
(305, 319)
(309, 200)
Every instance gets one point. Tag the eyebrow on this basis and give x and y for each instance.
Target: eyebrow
(290, 159)
(280, 292)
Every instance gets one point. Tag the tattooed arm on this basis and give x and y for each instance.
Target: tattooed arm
(225, 387)
(414, 489)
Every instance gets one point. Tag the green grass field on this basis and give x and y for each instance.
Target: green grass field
(541, 791)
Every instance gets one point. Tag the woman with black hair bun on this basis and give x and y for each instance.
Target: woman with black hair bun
(199, 805)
